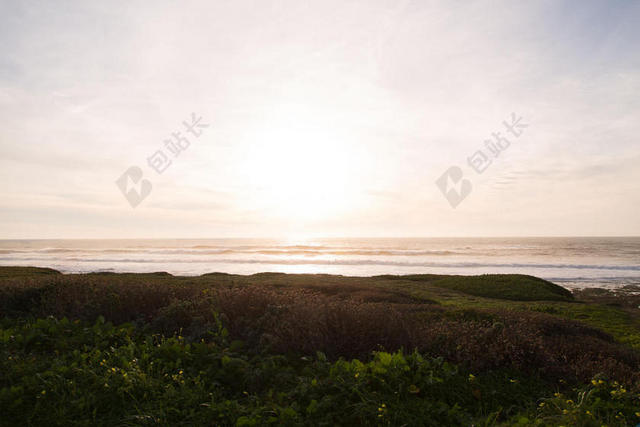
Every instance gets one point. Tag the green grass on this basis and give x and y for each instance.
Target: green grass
(515, 287)
(6, 272)
(58, 372)
(278, 349)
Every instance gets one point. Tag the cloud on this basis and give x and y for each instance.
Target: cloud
(386, 94)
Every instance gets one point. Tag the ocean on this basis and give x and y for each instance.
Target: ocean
(608, 262)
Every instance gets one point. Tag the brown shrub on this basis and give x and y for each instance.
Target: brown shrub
(309, 319)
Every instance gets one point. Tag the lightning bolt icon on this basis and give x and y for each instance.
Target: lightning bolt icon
(452, 185)
(132, 185)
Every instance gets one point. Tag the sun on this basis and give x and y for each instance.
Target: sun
(301, 171)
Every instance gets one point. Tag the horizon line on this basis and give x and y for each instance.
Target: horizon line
(328, 237)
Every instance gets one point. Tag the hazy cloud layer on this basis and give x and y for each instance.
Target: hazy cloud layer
(326, 118)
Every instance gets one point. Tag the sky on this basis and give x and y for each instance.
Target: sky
(325, 118)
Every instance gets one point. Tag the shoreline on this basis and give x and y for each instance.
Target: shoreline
(573, 262)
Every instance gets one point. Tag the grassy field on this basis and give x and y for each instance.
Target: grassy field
(278, 349)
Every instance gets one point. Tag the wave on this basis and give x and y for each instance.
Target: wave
(346, 262)
(599, 279)
(257, 251)
(481, 250)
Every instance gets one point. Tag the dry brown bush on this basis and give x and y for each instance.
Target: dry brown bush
(309, 319)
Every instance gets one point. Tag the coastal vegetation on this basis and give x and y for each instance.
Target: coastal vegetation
(281, 349)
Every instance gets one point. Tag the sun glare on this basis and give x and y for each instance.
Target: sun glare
(301, 171)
